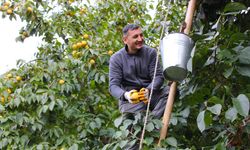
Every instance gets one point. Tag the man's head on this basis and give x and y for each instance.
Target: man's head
(133, 37)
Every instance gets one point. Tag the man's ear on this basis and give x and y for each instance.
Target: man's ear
(124, 39)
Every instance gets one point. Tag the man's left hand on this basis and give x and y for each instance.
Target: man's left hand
(144, 95)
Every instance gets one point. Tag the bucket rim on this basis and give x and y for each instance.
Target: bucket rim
(178, 33)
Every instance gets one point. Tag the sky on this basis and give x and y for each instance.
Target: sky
(10, 50)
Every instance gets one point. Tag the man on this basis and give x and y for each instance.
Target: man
(131, 71)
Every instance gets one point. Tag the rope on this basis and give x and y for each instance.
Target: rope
(151, 91)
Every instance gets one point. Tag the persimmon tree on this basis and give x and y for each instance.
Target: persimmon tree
(61, 100)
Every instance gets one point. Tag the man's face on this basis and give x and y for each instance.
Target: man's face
(134, 39)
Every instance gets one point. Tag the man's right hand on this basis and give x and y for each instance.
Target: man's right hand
(132, 96)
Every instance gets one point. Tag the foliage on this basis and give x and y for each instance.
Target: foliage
(61, 99)
(217, 91)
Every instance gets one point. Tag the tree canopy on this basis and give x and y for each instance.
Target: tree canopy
(61, 100)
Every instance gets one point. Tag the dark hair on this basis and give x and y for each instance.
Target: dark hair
(129, 27)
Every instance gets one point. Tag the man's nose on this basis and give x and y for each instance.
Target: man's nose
(140, 38)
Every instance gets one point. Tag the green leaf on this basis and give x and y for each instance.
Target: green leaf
(215, 100)
(221, 146)
(241, 103)
(106, 147)
(132, 142)
(216, 109)
(39, 147)
(60, 103)
(137, 129)
(237, 37)
(244, 56)
(52, 66)
(44, 98)
(228, 72)
(92, 125)
(4, 142)
(40, 91)
(148, 140)
(118, 122)
(172, 141)
(234, 6)
(92, 84)
(51, 105)
(123, 143)
(217, 25)
(208, 118)
(83, 134)
(185, 113)
(102, 78)
(17, 101)
(244, 70)
(96, 77)
(39, 126)
(150, 127)
(24, 139)
(127, 123)
(200, 121)
(2, 108)
(74, 147)
(45, 108)
(231, 114)
(118, 134)
(157, 123)
(59, 141)
(98, 122)
(116, 147)
(173, 120)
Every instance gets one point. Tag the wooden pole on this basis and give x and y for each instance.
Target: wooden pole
(172, 92)
(167, 113)
(189, 16)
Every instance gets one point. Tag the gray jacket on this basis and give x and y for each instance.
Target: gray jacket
(133, 71)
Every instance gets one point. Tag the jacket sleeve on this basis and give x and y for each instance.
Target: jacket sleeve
(115, 78)
(159, 79)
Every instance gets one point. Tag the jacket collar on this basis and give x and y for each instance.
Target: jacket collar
(126, 50)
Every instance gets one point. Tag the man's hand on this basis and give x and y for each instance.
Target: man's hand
(135, 97)
(132, 96)
(144, 95)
